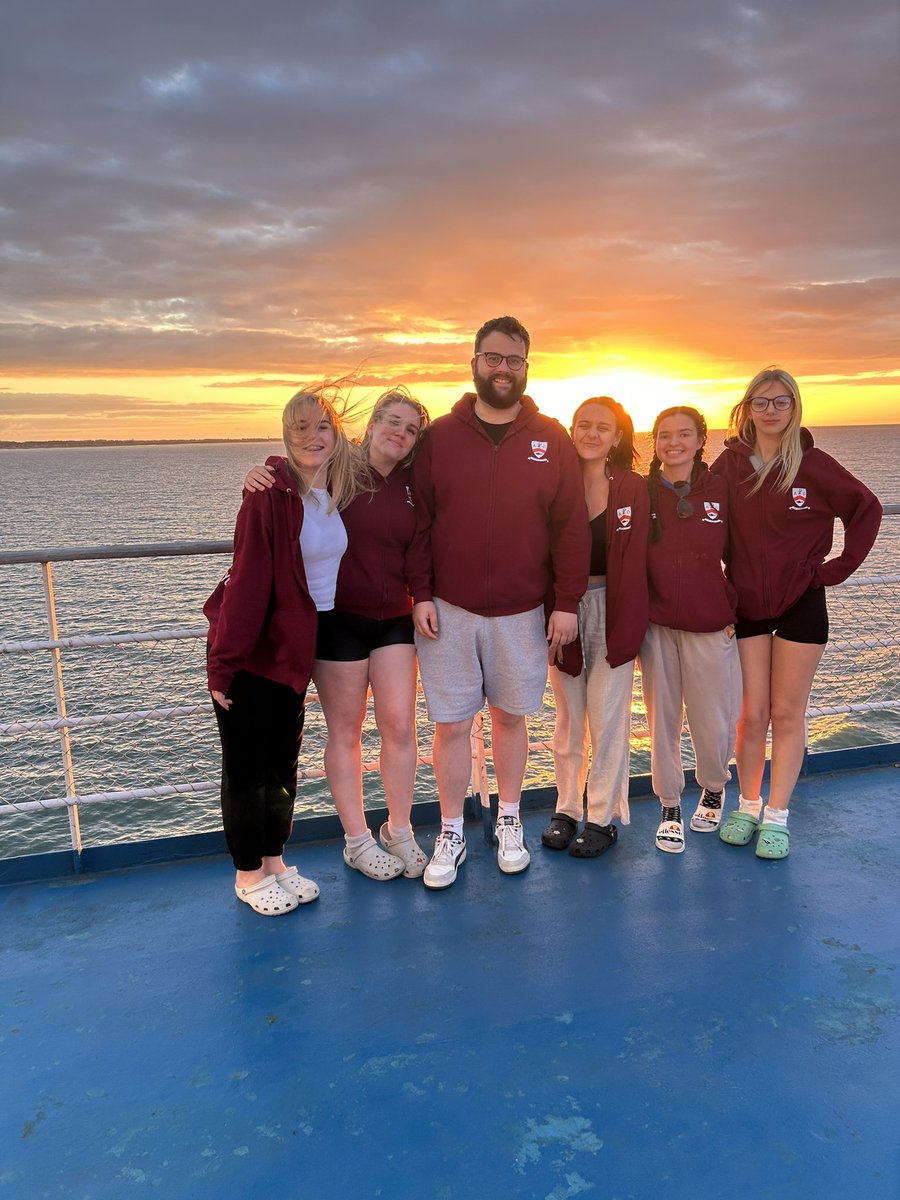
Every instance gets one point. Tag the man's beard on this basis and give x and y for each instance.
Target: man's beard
(484, 389)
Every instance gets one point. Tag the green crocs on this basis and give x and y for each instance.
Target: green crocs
(773, 841)
(739, 829)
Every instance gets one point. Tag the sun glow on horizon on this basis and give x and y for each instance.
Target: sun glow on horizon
(641, 393)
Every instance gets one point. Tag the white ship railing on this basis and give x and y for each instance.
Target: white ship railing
(869, 600)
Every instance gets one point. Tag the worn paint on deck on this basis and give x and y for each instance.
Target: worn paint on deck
(638, 1026)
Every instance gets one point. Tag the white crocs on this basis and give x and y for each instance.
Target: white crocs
(374, 862)
(267, 897)
(406, 848)
(297, 885)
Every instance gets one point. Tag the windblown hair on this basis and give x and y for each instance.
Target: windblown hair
(348, 473)
(679, 410)
(508, 325)
(625, 453)
(790, 451)
(396, 395)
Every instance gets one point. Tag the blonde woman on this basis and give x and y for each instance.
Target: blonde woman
(784, 495)
(366, 641)
(263, 618)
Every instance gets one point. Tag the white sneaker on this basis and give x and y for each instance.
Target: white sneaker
(449, 855)
(512, 853)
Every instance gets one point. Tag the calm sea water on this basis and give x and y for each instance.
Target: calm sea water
(110, 495)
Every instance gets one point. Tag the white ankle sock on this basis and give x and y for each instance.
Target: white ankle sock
(397, 831)
(452, 825)
(776, 816)
(752, 807)
(358, 839)
(507, 810)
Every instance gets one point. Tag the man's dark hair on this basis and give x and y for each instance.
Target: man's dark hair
(508, 325)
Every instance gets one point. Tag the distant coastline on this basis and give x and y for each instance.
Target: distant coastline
(89, 442)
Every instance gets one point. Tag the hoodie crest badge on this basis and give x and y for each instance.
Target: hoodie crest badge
(711, 511)
(799, 497)
(623, 516)
(538, 452)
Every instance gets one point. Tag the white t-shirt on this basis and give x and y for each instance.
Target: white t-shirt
(323, 540)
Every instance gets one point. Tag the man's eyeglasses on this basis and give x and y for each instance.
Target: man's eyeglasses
(515, 362)
(759, 404)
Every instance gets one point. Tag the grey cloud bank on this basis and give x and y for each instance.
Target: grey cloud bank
(235, 188)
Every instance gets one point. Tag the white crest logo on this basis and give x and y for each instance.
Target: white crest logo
(538, 449)
(799, 495)
(711, 508)
(624, 517)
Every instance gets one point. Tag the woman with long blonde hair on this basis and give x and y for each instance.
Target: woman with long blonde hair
(263, 617)
(784, 495)
(366, 641)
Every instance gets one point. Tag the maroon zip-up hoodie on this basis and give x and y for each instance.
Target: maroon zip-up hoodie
(380, 527)
(778, 540)
(261, 616)
(498, 525)
(627, 531)
(688, 588)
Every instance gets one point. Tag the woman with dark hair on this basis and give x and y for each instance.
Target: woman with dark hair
(689, 659)
(288, 544)
(784, 495)
(593, 676)
(366, 641)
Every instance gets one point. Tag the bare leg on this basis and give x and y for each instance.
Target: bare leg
(342, 688)
(793, 670)
(753, 725)
(509, 743)
(392, 673)
(452, 765)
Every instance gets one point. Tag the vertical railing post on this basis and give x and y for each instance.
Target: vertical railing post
(65, 743)
(480, 785)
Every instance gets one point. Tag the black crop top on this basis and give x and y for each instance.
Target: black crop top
(598, 544)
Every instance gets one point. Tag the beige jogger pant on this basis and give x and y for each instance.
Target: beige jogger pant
(593, 723)
(698, 674)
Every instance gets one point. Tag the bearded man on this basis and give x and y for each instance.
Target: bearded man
(502, 525)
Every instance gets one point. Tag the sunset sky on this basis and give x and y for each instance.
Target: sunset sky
(208, 202)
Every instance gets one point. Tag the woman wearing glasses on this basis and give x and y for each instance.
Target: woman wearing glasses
(689, 659)
(784, 496)
(367, 641)
(593, 676)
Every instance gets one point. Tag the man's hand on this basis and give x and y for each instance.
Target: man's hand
(221, 699)
(425, 619)
(562, 628)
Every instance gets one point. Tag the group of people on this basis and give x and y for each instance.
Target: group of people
(484, 546)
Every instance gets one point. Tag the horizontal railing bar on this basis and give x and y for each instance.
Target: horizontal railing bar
(53, 725)
(178, 549)
(106, 639)
(169, 789)
(864, 580)
(136, 550)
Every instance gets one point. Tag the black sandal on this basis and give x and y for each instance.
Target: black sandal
(559, 832)
(594, 840)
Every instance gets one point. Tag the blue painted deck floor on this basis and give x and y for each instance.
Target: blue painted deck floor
(642, 1025)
